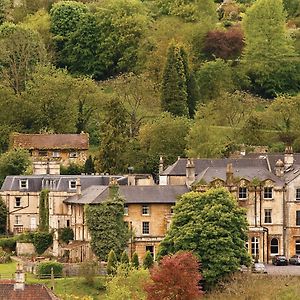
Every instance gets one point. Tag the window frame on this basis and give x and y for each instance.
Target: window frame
(266, 192)
(43, 153)
(70, 184)
(145, 210)
(73, 154)
(268, 217)
(126, 210)
(297, 246)
(297, 217)
(144, 227)
(255, 246)
(244, 193)
(21, 184)
(16, 200)
(56, 154)
(272, 246)
(18, 220)
(297, 196)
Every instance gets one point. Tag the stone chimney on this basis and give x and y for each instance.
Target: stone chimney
(46, 167)
(78, 186)
(161, 165)
(288, 157)
(229, 174)
(190, 172)
(279, 168)
(20, 278)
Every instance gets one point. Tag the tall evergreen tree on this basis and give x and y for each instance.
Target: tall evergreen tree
(174, 96)
(3, 216)
(269, 56)
(113, 138)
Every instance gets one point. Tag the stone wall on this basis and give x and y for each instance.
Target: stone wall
(25, 249)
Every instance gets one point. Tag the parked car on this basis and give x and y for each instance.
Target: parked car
(295, 260)
(259, 268)
(280, 260)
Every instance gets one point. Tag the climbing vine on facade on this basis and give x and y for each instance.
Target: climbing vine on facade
(44, 211)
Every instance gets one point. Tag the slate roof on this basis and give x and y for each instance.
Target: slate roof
(179, 167)
(57, 182)
(30, 292)
(131, 194)
(51, 141)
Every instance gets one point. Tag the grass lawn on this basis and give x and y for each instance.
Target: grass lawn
(262, 287)
(8, 270)
(73, 286)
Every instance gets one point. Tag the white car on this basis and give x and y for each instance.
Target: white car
(259, 268)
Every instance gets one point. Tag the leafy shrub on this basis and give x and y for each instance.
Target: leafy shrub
(4, 257)
(44, 269)
(148, 260)
(135, 261)
(8, 244)
(41, 241)
(65, 234)
(125, 258)
(111, 263)
(72, 169)
(88, 272)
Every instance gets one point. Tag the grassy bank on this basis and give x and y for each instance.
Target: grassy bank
(254, 287)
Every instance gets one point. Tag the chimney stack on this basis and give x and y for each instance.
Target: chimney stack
(161, 165)
(190, 172)
(279, 168)
(229, 174)
(20, 278)
(288, 157)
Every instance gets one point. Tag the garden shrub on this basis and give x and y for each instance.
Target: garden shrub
(44, 269)
(8, 244)
(65, 234)
(41, 241)
(4, 257)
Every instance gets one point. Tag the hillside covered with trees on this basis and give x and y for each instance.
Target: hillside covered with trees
(152, 77)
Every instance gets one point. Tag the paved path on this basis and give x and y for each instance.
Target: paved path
(283, 270)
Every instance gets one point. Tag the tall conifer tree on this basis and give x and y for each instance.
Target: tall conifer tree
(174, 96)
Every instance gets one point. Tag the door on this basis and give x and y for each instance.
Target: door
(32, 223)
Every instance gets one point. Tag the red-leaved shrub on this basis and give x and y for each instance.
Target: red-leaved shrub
(176, 277)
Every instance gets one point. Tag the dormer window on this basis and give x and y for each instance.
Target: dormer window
(23, 184)
(73, 154)
(72, 184)
(55, 154)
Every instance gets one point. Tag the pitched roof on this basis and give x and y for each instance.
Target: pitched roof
(131, 194)
(50, 141)
(30, 292)
(56, 182)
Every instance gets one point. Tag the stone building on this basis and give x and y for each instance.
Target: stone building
(267, 186)
(45, 148)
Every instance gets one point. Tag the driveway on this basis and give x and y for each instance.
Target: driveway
(283, 270)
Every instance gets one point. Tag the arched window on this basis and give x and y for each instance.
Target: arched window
(255, 247)
(297, 247)
(274, 246)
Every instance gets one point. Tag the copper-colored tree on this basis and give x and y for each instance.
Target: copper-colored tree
(176, 277)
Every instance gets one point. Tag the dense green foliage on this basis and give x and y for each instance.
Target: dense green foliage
(3, 216)
(135, 261)
(8, 244)
(111, 263)
(127, 284)
(212, 226)
(106, 225)
(42, 241)
(148, 260)
(44, 269)
(44, 211)
(65, 234)
(124, 258)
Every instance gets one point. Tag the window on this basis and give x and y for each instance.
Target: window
(146, 228)
(298, 194)
(23, 184)
(242, 193)
(145, 210)
(298, 217)
(268, 216)
(18, 220)
(297, 246)
(73, 154)
(55, 154)
(274, 246)
(125, 209)
(18, 202)
(255, 247)
(72, 184)
(151, 250)
(43, 153)
(68, 223)
(172, 210)
(268, 193)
